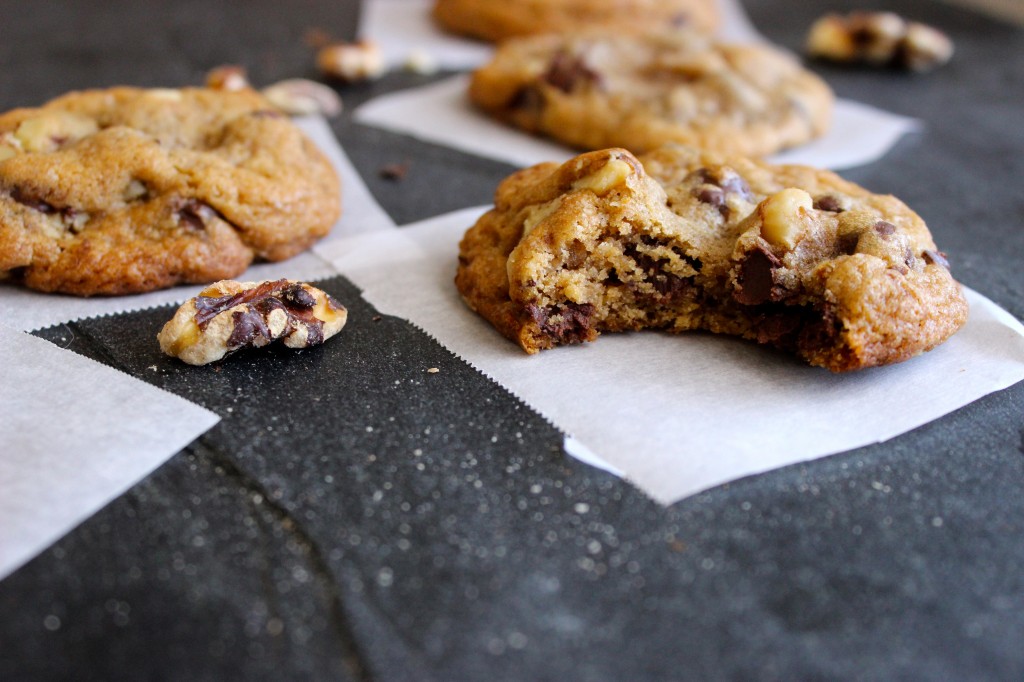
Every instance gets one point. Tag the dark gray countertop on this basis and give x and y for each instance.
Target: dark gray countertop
(414, 547)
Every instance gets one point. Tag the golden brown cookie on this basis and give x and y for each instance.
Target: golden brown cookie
(610, 89)
(228, 316)
(497, 20)
(680, 239)
(128, 190)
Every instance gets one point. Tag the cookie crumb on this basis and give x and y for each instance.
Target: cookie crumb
(394, 171)
(432, 370)
(376, 318)
(316, 38)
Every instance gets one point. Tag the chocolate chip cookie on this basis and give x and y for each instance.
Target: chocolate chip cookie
(128, 190)
(496, 20)
(680, 239)
(601, 89)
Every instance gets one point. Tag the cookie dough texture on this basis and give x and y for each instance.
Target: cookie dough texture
(594, 90)
(679, 239)
(228, 316)
(497, 20)
(128, 190)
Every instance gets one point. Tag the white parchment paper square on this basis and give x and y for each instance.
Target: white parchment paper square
(75, 434)
(442, 114)
(677, 414)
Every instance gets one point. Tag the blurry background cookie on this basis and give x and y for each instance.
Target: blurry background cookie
(128, 190)
(496, 20)
(598, 89)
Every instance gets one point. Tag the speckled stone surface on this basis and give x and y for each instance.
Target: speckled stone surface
(354, 517)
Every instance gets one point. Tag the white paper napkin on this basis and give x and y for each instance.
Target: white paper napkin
(75, 434)
(679, 414)
(404, 27)
(441, 113)
(24, 309)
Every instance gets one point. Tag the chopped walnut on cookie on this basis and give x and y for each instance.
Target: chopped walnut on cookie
(228, 316)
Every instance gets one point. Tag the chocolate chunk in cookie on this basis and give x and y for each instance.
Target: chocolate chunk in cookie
(680, 239)
(127, 190)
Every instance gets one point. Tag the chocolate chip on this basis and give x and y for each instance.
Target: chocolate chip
(22, 197)
(567, 323)
(194, 214)
(884, 228)
(908, 258)
(756, 283)
(735, 184)
(710, 194)
(828, 202)
(527, 99)
(935, 258)
(565, 72)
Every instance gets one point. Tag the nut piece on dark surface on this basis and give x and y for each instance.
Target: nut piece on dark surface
(352, 62)
(301, 97)
(879, 39)
(228, 77)
(228, 316)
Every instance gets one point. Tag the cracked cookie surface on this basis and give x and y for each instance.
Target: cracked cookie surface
(593, 90)
(679, 239)
(496, 21)
(129, 190)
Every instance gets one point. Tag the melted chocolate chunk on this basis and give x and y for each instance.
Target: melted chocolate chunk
(527, 99)
(565, 72)
(935, 258)
(884, 228)
(22, 197)
(296, 296)
(828, 202)
(208, 307)
(710, 194)
(757, 278)
(194, 214)
(249, 324)
(314, 333)
(567, 323)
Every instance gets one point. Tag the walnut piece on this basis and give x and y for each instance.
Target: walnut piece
(878, 39)
(301, 97)
(352, 62)
(228, 316)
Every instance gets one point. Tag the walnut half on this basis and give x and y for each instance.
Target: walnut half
(228, 316)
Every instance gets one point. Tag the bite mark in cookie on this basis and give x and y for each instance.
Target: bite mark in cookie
(798, 259)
